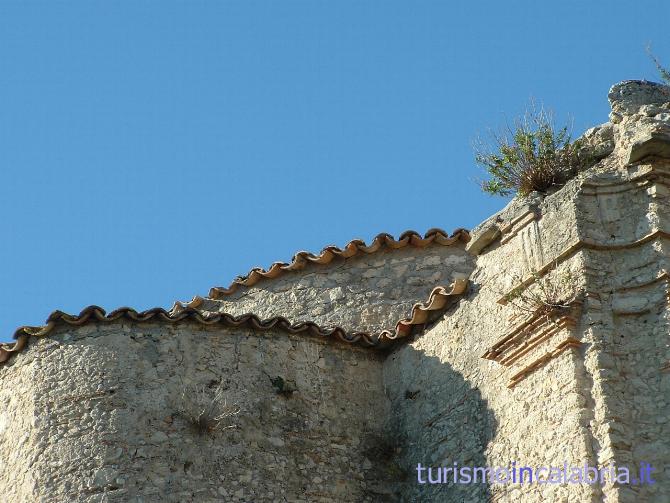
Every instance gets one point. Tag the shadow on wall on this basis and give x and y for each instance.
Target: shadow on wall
(438, 418)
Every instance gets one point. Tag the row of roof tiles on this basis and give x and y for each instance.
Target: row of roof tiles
(438, 299)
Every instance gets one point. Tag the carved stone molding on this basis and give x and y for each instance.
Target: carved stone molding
(517, 225)
(538, 339)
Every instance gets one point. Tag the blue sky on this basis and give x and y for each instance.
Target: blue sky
(152, 150)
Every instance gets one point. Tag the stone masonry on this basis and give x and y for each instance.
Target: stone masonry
(556, 352)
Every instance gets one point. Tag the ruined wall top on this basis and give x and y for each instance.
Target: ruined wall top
(629, 96)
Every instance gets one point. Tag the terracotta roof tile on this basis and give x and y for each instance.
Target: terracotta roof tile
(437, 300)
(351, 249)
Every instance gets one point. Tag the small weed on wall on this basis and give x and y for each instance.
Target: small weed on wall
(206, 410)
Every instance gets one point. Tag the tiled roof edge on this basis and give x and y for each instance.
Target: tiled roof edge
(437, 300)
(352, 248)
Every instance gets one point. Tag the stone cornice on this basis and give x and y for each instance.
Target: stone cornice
(542, 336)
(572, 250)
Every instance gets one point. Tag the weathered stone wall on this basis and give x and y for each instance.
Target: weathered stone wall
(92, 414)
(463, 411)
(626, 267)
(364, 293)
(593, 385)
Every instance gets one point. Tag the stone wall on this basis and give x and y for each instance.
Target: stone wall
(626, 268)
(463, 410)
(93, 414)
(588, 383)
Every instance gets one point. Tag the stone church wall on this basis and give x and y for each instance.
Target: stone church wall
(95, 413)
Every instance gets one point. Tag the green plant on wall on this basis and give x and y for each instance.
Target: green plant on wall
(531, 155)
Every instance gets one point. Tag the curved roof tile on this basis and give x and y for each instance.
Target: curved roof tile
(437, 300)
(351, 249)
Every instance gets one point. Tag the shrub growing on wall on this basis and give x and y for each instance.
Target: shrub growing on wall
(531, 155)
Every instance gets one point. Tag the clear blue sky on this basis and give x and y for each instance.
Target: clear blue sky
(152, 150)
